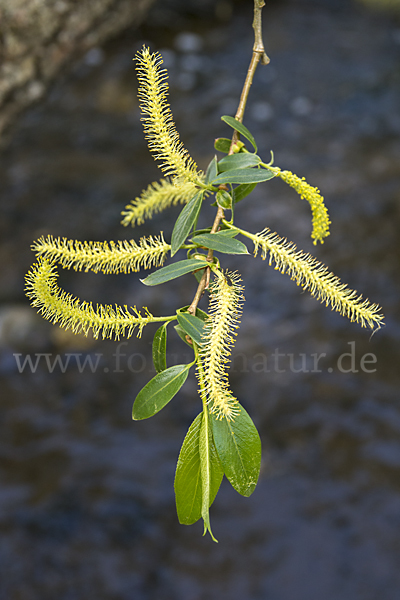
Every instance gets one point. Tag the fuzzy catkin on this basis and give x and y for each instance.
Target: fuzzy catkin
(224, 317)
(320, 217)
(59, 307)
(155, 198)
(108, 257)
(315, 277)
(159, 127)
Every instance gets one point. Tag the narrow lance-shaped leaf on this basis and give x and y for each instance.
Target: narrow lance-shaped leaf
(212, 170)
(193, 326)
(200, 314)
(188, 484)
(248, 175)
(220, 243)
(174, 271)
(211, 470)
(238, 161)
(228, 232)
(159, 391)
(242, 191)
(159, 348)
(185, 221)
(188, 492)
(235, 124)
(239, 449)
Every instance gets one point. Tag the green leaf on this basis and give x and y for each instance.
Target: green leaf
(212, 170)
(239, 449)
(188, 492)
(238, 161)
(192, 325)
(235, 124)
(211, 470)
(248, 175)
(185, 221)
(159, 391)
(242, 191)
(220, 243)
(174, 271)
(201, 314)
(188, 476)
(182, 334)
(222, 145)
(207, 230)
(224, 199)
(228, 232)
(159, 348)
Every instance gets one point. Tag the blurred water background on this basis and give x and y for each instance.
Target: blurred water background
(86, 496)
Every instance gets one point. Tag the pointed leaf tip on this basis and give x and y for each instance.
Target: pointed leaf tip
(239, 449)
(235, 124)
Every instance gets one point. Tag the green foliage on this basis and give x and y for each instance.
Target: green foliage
(159, 349)
(193, 326)
(184, 223)
(174, 271)
(239, 449)
(222, 440)
(198, 473)
(220, 243)
(159, 391)
(238, 126)
(246, 175)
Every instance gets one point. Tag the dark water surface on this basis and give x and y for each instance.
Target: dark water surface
(86, 497)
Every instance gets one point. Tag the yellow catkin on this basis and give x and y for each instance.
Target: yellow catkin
(159, 127)
(69, 312)
(315, 277)
(155, 198)
(320, 217)
(224, 317)
(107, 257)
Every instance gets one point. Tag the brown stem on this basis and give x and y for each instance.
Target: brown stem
(255, 59)
(257, 26)
(257, 56)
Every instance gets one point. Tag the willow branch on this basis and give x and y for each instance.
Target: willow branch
(257, 56)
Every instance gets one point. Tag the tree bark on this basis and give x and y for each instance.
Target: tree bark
(39, 37)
